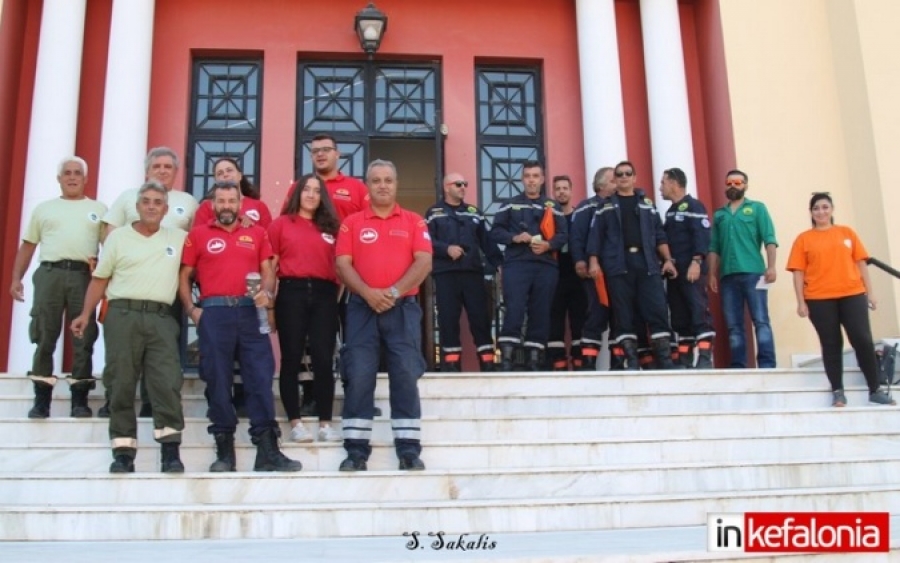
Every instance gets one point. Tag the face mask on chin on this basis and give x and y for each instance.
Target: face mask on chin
(734, 194)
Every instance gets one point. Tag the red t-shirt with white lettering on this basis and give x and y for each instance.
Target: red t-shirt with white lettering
(383, 249)
(303, 250)
(222, 259)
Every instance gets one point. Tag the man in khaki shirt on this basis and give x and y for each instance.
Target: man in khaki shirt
(68, 230)
(160, 165)
(138, 272)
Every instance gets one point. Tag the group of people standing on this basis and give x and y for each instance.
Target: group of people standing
(344, 256)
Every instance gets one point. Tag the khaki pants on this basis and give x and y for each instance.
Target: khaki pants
(140, 339)
(59, 292)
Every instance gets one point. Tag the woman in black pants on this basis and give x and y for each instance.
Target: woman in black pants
(833, 289)
(306, 305)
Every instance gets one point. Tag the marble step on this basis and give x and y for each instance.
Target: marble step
(583, 426)
(332, 487)
(539, 405)
(635, 545)
(26, 460)
(563, 383)
(44, 520)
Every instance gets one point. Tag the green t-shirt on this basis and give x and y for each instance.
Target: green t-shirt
(66, 229)
(182, 207)
(140, 267)
(738, 237)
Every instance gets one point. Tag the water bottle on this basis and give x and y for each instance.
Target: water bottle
(254, 281)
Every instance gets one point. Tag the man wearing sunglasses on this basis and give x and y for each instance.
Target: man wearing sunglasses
(740, 229)
(459, 236)
(626, 244)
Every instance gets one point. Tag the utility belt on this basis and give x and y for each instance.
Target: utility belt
(141, 305)
(73, 265)
(227, 301)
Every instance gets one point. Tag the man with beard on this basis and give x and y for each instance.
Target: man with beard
(569, 300)
(740, 229)
(138, 272)
(221, 254)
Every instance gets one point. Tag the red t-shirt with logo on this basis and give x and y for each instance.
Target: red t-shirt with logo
(303, 250)
(348, 195)
(222, 259)
(383, 249)
(254, 209)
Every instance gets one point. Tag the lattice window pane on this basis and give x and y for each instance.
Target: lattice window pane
(352, 161)
(500, 174)
(333, 98)
(205, 153)
(507, 103)
(405, 100)
(227, 97)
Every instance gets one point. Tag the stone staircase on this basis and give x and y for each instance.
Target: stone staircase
(525, 457)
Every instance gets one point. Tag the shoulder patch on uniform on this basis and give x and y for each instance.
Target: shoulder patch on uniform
(472, 209)
(705, 223)
(748, 211)
(683, 206)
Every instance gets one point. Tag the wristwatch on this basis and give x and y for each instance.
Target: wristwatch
(395, 293)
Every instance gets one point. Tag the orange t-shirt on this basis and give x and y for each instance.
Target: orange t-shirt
(828, 260)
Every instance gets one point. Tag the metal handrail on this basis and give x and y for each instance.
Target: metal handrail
(885, 267)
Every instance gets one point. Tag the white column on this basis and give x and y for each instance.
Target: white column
(602, 109)
(671, 140)
(51, 137)
(126, 106)
(126, 102)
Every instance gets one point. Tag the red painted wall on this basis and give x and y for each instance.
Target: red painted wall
(20, 30)
(456, 33)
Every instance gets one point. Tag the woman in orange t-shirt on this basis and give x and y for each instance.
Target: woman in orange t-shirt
(832, 285)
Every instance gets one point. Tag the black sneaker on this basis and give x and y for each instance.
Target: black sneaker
(353, 464)
(103, 412)
(411, 463)
(122, 464)
(377, 411)
(881, 397)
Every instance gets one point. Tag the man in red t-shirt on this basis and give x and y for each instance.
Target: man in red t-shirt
(383, 254)
(220, 255)
(349, 195)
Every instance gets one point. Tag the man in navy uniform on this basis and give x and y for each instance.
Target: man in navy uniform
(626, 244)
(459, 236)
(687, 229)
(533, 229)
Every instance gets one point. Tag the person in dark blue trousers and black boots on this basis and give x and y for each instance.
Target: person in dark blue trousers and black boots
(459, 235)
(626, 244)
(383, 255)
(687, 229)
(533, 228)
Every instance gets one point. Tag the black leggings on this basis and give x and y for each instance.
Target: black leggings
(306, 308)
(827, 316)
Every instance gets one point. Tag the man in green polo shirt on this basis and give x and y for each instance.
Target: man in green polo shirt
(160, 165)
(68, 230)
(138, 272)
(740, 230)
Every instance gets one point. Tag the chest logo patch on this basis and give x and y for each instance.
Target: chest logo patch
(179, 210)
(93, 217)
(170, 251)
(748, 211)
(328, 238)
(253, 214)
(215, 246)
(368, 235)
(683, 207)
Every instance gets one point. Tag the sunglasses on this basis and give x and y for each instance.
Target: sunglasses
(459, 183)
(734, 183)
(628, 173)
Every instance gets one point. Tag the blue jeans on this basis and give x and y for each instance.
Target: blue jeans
(737, 289)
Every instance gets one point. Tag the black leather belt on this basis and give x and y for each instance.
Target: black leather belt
(74, 265)
(141, 305)
(227, 301)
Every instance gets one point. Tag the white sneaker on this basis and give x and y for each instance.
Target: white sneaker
(299, 433)
(329, 434)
